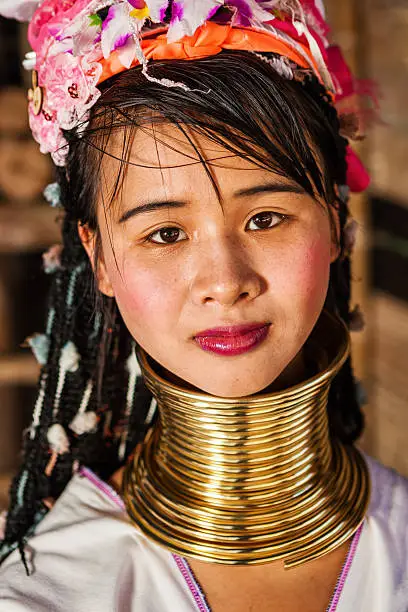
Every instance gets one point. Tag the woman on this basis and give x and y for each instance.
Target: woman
(207, 199)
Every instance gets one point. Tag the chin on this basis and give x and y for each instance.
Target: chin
(231, 391)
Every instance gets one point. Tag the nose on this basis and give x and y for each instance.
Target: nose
(224, 275)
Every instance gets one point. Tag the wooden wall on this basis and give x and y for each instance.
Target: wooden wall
(373, 34)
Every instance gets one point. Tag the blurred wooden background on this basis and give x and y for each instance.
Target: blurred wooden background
(373, 35)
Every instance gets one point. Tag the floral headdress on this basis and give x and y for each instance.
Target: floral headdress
(78, 44)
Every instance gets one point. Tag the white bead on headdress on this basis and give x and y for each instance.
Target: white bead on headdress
(69, 362)
(44, 377)
(52, 259)
(40, 346)
(58, 439)
(52, 193)
(85, 422)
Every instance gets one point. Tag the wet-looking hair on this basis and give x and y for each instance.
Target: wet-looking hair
(238, 100)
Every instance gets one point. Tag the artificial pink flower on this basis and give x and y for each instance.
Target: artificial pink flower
(117, 33)
(157, 9)
(71, 87)
(53, 16)
(190, 14)
(48, 134)
(251, 12)
(70, 93)
(137, 4)
(79, 38)
(48, 10)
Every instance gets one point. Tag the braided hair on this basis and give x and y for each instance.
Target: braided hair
(92, 407)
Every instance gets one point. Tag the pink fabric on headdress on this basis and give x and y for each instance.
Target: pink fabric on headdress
(358, 178)
(340, 72)
(55, 14)
(288, 28)
(348, 101)
(352, 94)
(315, 16)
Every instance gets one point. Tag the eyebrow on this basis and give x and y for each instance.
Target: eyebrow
(149, 207)
(251, 191)
(270, 188)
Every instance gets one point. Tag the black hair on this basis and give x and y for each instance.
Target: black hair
(236, 99)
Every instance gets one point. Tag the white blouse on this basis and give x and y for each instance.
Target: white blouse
(87, 557)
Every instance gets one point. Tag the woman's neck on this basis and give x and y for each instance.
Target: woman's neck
(249, 480)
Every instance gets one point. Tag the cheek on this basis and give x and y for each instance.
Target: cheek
(140, 293)
(304, 277)
(315, 271)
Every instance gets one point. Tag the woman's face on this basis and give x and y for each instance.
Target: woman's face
(222, 292)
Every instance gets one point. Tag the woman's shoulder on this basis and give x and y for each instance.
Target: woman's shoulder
(388, 528)
(86, 555)
(389, 506)
(389, 494)
(76, 554)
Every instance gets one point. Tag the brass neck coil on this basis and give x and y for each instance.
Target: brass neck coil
(249, 480)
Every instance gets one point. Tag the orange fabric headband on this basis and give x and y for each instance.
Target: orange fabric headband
(208, 40)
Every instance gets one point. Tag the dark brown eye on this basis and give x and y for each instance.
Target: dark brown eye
(167, 235)
(264, 220)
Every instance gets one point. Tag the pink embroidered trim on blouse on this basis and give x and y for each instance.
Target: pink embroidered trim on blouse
(181, 563)
(345, 571)
(102, 486)
(192, 584)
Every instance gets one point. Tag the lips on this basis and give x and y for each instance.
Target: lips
(233, 340)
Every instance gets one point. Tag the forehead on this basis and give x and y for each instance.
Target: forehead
(167, 145)
(163, 160)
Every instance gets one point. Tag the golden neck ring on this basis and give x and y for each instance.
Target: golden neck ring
(249, 480)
